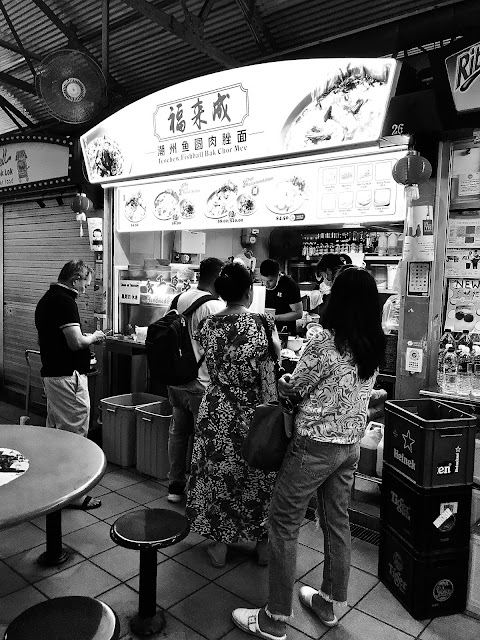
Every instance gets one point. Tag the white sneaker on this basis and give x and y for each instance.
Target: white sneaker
(174, 497)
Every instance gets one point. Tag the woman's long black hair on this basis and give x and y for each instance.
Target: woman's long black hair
(353, 315)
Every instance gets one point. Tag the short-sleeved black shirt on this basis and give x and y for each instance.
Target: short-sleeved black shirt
(55, 310)
(286, 292)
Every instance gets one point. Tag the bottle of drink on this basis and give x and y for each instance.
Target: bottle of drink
(450, 371)
(464, 340)
(446, 339)
(475, 376)
(440, 371)
(464, 385)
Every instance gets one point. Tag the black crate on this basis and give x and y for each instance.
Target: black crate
(427, 585)
(429, 442)
(412, 513)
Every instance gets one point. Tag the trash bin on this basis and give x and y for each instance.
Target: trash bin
(429, 442)
(153, 424)
(119, 426)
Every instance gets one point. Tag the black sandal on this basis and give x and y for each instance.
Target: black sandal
(88, 503)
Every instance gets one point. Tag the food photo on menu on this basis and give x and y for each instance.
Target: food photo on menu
(345, 106)
(105, 157)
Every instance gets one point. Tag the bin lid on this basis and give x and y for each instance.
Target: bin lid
(162, 408)
(131, 400)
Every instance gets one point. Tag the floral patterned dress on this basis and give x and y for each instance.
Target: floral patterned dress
(228, 500)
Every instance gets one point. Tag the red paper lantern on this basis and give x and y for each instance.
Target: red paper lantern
(411, 171)
(81, 204)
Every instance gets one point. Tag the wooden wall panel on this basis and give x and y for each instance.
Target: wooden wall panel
(36, 244)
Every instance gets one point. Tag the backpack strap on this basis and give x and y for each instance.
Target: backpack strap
(174, 302)
(193, 307)
(198, 303)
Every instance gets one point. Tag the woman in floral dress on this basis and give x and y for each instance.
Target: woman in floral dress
(228, 500)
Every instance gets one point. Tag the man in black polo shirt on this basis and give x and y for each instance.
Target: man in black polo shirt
(65, 353)
(283, 295)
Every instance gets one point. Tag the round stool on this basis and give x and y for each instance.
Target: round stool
(148, 530)
(66, 618)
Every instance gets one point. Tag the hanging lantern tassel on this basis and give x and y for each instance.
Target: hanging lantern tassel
(81, 217)
(411, 171)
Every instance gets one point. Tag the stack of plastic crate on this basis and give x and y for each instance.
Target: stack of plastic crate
(426, 501)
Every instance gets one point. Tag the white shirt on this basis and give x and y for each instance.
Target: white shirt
(209, 308)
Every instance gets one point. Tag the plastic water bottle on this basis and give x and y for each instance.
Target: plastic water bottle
(464, 385)
(446, 339)
(450, 371)
(475, 377)
(440, 372)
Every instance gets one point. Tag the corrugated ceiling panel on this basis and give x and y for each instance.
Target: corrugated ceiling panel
(145, 58)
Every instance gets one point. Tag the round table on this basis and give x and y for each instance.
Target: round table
(63, 466)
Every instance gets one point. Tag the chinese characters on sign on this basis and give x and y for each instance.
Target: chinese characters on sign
(200, 126)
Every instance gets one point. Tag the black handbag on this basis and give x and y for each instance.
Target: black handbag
(267, 441)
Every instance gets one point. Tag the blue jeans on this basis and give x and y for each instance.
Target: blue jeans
(185, 401)
(328, 469)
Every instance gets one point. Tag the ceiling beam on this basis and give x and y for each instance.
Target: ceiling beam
(181, 31)
(205, 10)
(17, 38)
(12, 117)
(12, 47)
(15, 111)
(71, 35)
(257, 26)
(17, 83)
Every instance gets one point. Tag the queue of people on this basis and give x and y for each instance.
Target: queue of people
(227, 500)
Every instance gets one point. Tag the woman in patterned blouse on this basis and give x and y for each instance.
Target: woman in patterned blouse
(332, 383)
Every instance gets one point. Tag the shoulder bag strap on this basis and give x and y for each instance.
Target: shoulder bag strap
(271, 348)
(188, 312)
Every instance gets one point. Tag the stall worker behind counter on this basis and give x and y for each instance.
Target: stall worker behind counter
(283, 295)
(326, 269)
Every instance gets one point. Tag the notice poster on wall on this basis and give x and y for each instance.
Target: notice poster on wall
(462, 263)
(463, 304)
(464, 232)
(419, 245)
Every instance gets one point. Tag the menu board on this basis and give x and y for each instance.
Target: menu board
(271, 110)
(357, 189)
(354, 190)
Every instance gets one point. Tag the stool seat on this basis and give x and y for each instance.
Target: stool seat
(68, 618)
(149, 529)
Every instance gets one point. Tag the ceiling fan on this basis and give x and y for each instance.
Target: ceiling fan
(72, 85)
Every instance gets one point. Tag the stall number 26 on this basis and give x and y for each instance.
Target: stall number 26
(398, 129)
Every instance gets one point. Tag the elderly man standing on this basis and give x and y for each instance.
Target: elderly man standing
(65, 354)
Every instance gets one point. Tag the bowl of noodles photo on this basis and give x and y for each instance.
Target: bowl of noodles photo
(287, 195)
(166, 205)
(105, 158)
(347, 106)
(222, 202)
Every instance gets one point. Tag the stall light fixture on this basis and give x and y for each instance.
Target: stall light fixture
(412, 170)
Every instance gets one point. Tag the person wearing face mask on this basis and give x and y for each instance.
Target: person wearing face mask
(327, 269)
(227, 500)
(65, 355)
(283, 295)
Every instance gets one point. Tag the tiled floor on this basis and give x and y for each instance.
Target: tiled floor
(198, 598)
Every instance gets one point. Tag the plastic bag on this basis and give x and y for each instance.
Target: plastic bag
(391, 314)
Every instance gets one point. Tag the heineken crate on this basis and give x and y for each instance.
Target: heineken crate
(429, 442)
(427, 585)
(427, 519)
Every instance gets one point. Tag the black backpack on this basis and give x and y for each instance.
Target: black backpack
(168, 344)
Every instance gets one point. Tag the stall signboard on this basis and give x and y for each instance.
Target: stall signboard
(463, 304)
(276, 109)
(30, 162)
(463, 71)
(354, 189)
